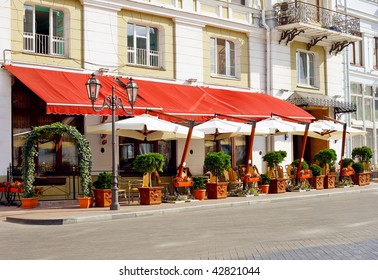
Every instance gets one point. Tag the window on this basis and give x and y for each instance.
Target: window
(240, 2)
(222, 57)
(129, 148)
(355, 53)
(368, 103)
(356, 95)
(57, 153)
(305, 69)
(43, 30)
(375, 54)
(142, 45)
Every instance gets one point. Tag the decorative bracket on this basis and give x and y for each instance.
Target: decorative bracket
(314, 41)
(290, 35)
(339, 46)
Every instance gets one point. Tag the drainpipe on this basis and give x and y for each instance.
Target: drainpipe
(269, 142)
(347, 88)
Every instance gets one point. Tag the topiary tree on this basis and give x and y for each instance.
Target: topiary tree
(316, 170)
(326, 158)
(29, 151)
(149, 162)
(217, 162)
(363, 154)
(296, 162)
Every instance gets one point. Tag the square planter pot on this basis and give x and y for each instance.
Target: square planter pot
(277, 185)
(216, 190)
(102, 197)
(28, 203)
(85, 202)
(317, 182)
(361, 179)
(330, 181)
(150, 196)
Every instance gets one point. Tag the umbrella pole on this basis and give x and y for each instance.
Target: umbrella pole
(297, 177)
(186, 148)
(342, 149)
(250, 148)
(342, 141)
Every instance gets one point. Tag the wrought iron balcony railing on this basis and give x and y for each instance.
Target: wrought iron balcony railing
(299, 12)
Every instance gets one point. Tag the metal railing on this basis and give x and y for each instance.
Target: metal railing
(43, 44)
(299, 12)
(143, 57)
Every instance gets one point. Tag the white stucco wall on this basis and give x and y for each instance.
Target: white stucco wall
(5, 122)
(100, 38)
(195, 157)
(189, 51)
(101, 161)
(5, 91)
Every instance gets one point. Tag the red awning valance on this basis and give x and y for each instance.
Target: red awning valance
(65, 93)
(201, 103)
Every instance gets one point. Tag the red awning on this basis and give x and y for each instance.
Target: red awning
(65, 92)
(201, 103)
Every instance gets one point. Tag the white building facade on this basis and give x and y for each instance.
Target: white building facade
(291, 50)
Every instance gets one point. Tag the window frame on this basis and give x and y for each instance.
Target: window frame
(152, 57)
(311, 69)
(230, 56)
(355, 54)
(34, 42)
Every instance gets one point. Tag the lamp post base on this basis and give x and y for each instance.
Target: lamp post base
(115, 206)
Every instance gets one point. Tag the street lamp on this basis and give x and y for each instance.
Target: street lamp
(112, 102)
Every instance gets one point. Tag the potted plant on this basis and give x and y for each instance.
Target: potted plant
(317, 179)
(264, 183)
(363, 155)
(216, 163)
(360, 177)
(199, 188)
(326, 159)
(102, 191)
(277, 182)
(147, 164)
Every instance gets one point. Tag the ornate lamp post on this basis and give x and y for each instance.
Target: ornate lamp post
(114, 103)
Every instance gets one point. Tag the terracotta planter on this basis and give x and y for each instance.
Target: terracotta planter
(361, 179)
(102, 197)
(85, 202)
(317, 182)
(216, 190)
(149, 196)
(264, 189)
(277, 185)
(329, 181)
(199, 194)
(183, 184)
(28, 203)
(251, 179)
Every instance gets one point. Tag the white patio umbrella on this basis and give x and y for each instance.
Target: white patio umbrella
(217, 129)
(278, 126)
(330, 129)
(146, 127)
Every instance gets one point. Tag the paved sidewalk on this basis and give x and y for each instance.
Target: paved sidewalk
(59, 213)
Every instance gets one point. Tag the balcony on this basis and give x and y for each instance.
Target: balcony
(43, 44)
(316, 24)
(143, 57)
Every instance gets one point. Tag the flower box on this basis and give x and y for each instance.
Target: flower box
(251, 179)
(150, 195)
(277, 185)
(182, 184)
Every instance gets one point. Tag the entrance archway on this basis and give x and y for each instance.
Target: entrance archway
(29, 151)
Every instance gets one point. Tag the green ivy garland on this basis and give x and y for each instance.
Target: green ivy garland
(29, 151)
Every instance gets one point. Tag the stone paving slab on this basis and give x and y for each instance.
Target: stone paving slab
(59, 213)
